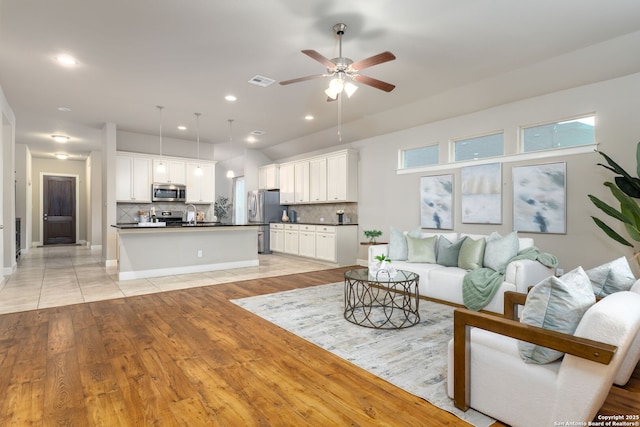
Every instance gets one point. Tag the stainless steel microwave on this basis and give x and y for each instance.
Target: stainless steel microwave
(168, 192)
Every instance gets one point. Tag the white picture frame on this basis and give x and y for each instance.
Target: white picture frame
(436, 202)
(481, 194)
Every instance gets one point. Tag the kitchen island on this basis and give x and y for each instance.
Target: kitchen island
(147, 251)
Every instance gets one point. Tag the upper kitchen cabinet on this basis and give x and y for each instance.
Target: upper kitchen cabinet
(329, 178)
(301, 182)
(318, 180)
(342, 176)
(174, 171)
(269, 177)
(133, 179)
(201, 187)
(287, 183)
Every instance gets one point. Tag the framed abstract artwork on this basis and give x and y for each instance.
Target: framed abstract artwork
(540, 198)
(481, 194)
(436, 202)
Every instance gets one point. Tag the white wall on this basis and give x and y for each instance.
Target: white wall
(7, 178)
(24, 194)
(94, 199)
(389, 199)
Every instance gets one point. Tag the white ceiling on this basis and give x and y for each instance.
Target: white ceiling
(452, 57)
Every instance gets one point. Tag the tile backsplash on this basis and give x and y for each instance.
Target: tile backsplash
(128, 212)
(315, 213)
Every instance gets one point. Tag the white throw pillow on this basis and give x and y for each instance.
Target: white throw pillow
(557, 304)
(614, 276)
(499, 250)
(398, 250)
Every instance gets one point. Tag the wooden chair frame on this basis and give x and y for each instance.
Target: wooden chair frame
(464, 319)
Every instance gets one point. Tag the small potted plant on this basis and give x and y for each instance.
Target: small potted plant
(371, 235)
(340, 213)
(381, 269)
(221, 208)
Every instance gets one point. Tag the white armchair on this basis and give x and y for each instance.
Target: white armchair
(487, 373)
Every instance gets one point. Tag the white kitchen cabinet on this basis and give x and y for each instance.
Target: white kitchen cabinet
(276, 237)
(200, 188)
(174, 173)
(301, 182)
(318, 180)
(326, 246)
(307, 241)
(133, 179)
(342, 177)
(287, 183)
(269, 177)
(291, 239)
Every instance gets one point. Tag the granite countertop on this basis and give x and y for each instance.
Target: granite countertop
(134, 225)
(332, 224)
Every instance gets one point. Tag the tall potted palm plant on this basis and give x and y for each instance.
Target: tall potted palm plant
(626, 189)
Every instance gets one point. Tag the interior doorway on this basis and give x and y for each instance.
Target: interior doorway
(59, 213)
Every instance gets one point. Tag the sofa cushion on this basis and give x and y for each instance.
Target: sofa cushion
(447, 252)
(614, 276)
(499, 250)
(398, 250)
(557, 304)
(421, 250)
(471, 253)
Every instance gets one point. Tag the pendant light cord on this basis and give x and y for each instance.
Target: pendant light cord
(198, 135)
(160, 107)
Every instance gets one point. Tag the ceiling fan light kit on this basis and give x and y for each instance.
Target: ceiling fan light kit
(341, 68)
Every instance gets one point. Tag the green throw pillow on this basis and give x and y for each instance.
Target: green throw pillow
(471, 253)
(448, 252)
(398, 250)
(499, 250)
(422, 250)
(557, 304)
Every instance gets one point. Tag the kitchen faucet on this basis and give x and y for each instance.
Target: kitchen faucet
(194, 219)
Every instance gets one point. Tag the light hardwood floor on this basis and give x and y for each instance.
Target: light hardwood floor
(189, 357)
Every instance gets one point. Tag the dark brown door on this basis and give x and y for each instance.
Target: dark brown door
(59, 216)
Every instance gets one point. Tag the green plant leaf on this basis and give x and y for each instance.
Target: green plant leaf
(632, 228)
(611, 233)
(638, 159)
(631, 185)
(609, 210)
(624, 199)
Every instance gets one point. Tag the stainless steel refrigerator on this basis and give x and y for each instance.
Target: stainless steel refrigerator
(263, 207)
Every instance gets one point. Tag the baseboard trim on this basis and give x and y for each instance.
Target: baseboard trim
(143, 274)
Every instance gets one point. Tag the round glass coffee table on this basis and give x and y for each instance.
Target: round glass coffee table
(380, 301)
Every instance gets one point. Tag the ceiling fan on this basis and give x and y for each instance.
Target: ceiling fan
(344, 69)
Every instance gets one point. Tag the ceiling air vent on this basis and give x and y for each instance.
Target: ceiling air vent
(258, 132)
(261, 81)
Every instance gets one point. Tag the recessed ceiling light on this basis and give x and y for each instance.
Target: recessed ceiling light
(258, 132)
(230, 98)
(64, 109)
(182, 127)
(309, 117)
(62, 156)
(60, 138)
(66, 60)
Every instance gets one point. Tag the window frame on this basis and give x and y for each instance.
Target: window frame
(402, 151)
(521, 130)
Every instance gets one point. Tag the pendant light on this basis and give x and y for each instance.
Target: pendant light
(198, 170)
(161, 168)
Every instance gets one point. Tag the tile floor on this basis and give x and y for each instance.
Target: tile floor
(56, 276)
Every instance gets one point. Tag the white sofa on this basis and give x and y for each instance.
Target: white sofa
(445, 283)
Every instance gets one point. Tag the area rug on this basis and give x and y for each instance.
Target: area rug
(414, 359)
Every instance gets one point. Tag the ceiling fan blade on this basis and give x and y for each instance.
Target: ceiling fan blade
(373, 60)
(302, 79)
(378, 84)
(320, 58)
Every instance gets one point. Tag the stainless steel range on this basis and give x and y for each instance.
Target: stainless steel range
(170, 217)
